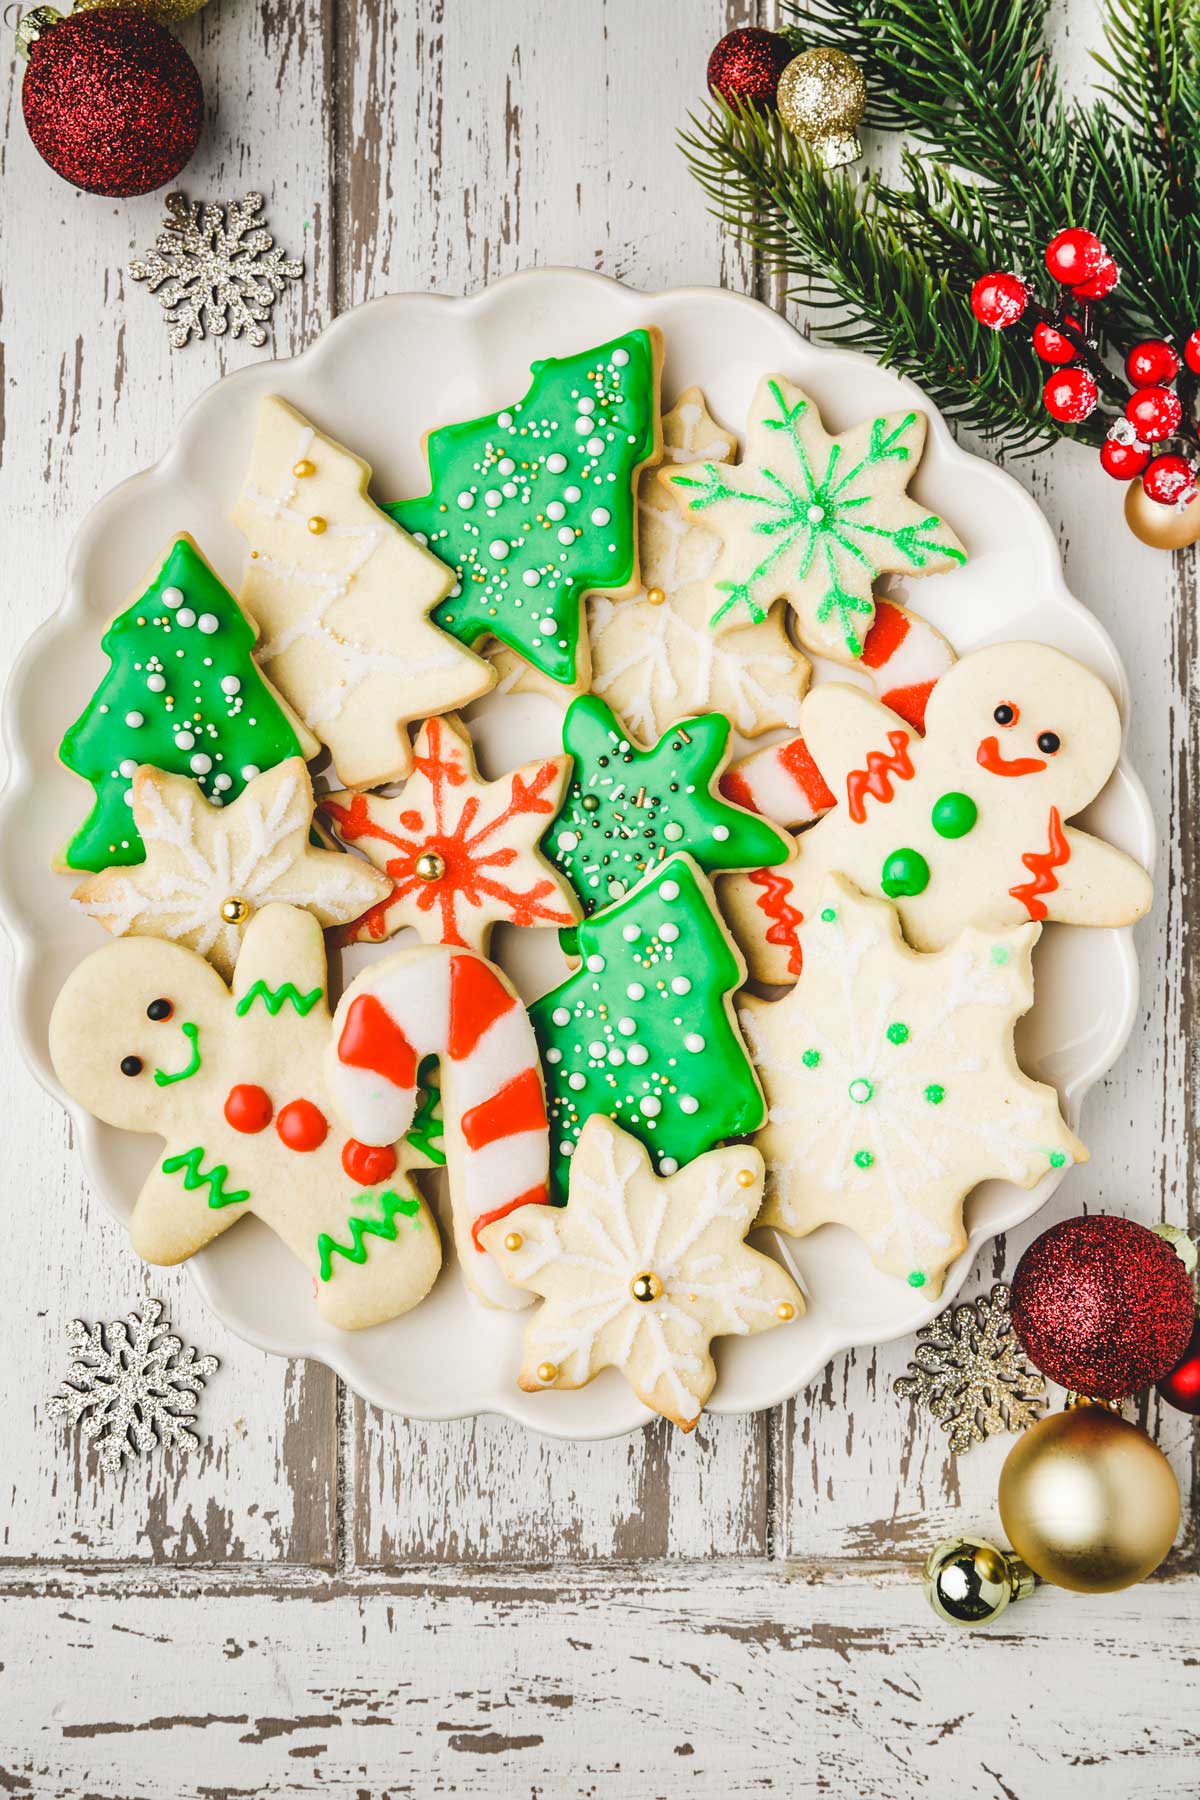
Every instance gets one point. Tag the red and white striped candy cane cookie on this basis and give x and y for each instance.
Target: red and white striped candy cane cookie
(904, 657)
(437, 1000)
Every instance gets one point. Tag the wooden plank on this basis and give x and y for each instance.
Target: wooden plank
(700, 1678)
(93, 394)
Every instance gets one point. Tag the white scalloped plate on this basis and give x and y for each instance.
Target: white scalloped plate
(376, 380)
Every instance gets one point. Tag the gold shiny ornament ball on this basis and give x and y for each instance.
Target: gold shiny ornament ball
(785, 1311)
(821, 98)
(646, 1287)
(430, 866)
(235, 911)
(546, 1372)
(317, 524)
(970, 1582)
(303, 469)
(1088, 1501)
(167, 12)
(1162, 527)
(655, 596)
(513, 1241)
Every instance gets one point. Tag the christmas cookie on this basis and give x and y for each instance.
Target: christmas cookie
(209, 869)
(343, 598)
(147, 1036)
(626, 808)
(644, 1030)
(432, 1000)
(184, 694)
(813, 519)
(534, 506)
(966, 826)
(460, 853)
(640, 1274)
(893, 1087)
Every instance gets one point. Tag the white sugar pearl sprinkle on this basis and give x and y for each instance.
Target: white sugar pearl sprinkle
(627, 1027)
(561, 1016)
(504, 420)
(553, 1055)
(631, 933)
(250, 771)
(673, 831)
(466, 499)
(693, 1042)
(635, 991)
(600, 515)
(597, 1049)
(493, 497)
(667, 1165)
(172, 597)
(638, 1053)
(498, 548)
(184, 739)
(134, 719)
(200, 764)
(556, 510)
(186, 616)
(506, 465)
(595, 446)
(222, 783)
(680, 984)
(127, 796)
(230, 684)
(129, 768)
(669, 890)
(208, 623)
(720, 832)
(688, 1103)
(532, 578)
(619, 358)
(556, 463)
(586, 404)
(156, 683)
(595, 963)
(567, 841)
(583, 425)
(565, 535)
(668, 932)
(576, 1081)
(650, 1106)
(572, 493)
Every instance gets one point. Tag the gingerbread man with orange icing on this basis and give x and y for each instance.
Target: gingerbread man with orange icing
(966, 826)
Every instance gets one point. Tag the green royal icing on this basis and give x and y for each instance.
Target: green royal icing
(819, 519)
(428, 1129)
(625, 808)
(173, 669)
(863, 1159)
(362, 1228)
(935, 1093)
(905, 873)
(274, 998)
(192, 1034)
(898, 1033)
(810, 1058)
(534, 506)
(642, 1032)
(954, 815)
(213, 1179)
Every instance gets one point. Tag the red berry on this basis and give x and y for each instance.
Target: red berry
(1151, 364)
(999, 299)
(1123, 460)
(1170, 480)
(1074, 255)
(1102, 282)
(1070, 395)
(1052, 346)
(1191, 352)
(1154, 413)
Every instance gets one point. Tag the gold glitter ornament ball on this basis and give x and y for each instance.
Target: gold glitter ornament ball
(167, 12)
(822, 98)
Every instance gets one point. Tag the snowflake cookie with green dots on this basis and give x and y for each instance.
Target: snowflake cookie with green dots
(893, 1087)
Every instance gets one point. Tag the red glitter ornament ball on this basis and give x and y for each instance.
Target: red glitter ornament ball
(1181, 1388)
(1070, 395)
(1151, 364)
(1154, 413)
(1074, 255)
(1101, 283)
(112, 102)
(999, 299)
(747, 64)
(1102, 1305)
(1170, 481)
(1053, 346)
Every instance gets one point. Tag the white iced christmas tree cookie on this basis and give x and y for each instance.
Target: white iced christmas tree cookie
(209, 869)
(965, 826)
(342, 596)
(640, 1273)
(813, 519)
(460, 853)
(892, 1084)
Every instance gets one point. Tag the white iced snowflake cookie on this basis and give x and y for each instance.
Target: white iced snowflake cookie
(965, 826)
(640, 1273)
(147, 1036)
(813, 519)
(459, 853)
(892, 1084)
(209, 869)
(342, 596)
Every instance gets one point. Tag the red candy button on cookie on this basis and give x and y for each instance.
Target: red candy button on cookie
(301, 1125)
(248, 1107)
(368, 1164)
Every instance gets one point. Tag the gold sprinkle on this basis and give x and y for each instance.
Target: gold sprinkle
(303, 468)
(546, 1372)
(785, 1311)
(746, 1177)
(317, 524)
(655, 596)
(513, 1241)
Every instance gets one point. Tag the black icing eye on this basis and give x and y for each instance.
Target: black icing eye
(1049, 742)
(131, 1065)
(1006, 713)
(159, 1010)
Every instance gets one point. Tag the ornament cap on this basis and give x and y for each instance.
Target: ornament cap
(31, 25)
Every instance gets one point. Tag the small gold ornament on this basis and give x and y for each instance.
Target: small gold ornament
(970, 1582)
(303, 469)
(235, 911)
(655, 595)
(1162, 527)
(1088, 1501)
(822, 97)
(785, 1311)
(646, 1287)
(317, 524)
(167, 12)
(430, 866)
(513, 1241)
(546, 1372)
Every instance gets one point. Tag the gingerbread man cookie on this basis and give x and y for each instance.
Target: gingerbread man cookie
(966, 826)
(640, 1274)
(147, 1036)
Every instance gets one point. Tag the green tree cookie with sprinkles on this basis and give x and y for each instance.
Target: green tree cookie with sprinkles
(813, 519)
(183, 695)
(626, 808)
(535, 505)
(644, 1031)
(893, 1086)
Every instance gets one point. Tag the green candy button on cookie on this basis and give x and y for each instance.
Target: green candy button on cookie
(904, 873)
(954, 815)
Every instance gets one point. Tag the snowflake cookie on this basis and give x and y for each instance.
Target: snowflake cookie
(460, 853)
(966, 826)
(343, 598)
(640, 1274)
(893, 1087)
(209, 869)
(147, 1036)
(813, 519)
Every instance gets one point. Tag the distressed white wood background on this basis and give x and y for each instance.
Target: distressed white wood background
(327, 1601)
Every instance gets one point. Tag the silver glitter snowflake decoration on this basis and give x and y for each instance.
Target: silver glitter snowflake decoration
(970, 1373)
(215, 269)
(134, 1388)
